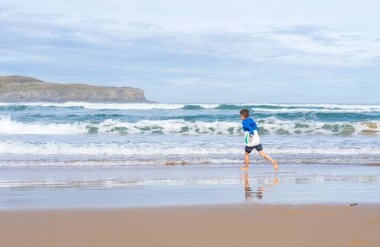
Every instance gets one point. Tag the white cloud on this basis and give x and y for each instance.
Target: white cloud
(213, 14)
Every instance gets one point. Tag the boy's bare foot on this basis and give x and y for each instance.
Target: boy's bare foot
(275, 165)
(243, 169)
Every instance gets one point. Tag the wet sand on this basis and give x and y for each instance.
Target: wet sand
(223, 225)
(130, 186)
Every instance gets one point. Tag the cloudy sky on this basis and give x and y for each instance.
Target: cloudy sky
(302, 51)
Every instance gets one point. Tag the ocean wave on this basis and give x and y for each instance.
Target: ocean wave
(273, 125)
(270, 125)
(110, 106)
(172, 106)
(165, 149)
(302, 108)
(307, 110)
(9, 126)
(307, 106)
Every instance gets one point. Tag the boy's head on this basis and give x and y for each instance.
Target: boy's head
(244, 113)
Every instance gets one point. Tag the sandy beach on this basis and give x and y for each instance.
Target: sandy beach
(237, 225)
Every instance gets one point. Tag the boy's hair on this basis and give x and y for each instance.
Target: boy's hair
(244, 113)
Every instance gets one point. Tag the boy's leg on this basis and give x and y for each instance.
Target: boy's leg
(246, 161)
(264, 155)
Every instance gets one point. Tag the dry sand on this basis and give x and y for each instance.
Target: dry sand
(239, 225)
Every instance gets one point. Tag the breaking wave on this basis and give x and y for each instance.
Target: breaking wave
(272, 126)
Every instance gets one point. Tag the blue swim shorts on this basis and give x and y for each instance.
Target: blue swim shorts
(257, 147)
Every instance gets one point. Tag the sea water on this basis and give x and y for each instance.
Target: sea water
(81, 154)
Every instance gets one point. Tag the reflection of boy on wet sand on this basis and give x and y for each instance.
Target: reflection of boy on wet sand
(249, 194)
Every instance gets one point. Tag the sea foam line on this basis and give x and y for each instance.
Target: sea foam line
(140, 149)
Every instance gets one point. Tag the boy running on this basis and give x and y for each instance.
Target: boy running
(252, 140)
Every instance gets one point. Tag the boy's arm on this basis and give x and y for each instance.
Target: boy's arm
(249, 127)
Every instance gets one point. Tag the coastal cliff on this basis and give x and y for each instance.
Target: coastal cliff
(28, 89)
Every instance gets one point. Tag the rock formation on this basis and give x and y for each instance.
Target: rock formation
(28, 89)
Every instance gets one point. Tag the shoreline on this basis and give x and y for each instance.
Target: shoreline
(218, 225)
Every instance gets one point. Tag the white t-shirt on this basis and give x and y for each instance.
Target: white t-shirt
(250, 142)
